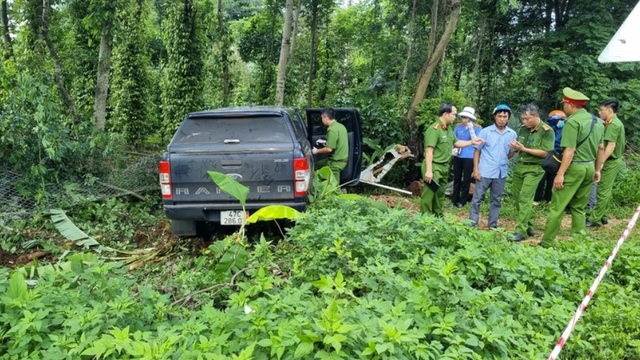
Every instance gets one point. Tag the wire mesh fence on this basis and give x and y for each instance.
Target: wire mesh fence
(138, 177)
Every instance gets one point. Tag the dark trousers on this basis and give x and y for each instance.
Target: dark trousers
(462, 170)
(543, 192)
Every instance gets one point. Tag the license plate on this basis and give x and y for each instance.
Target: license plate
(232, 217)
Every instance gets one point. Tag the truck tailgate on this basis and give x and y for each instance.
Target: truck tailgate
(267, 172)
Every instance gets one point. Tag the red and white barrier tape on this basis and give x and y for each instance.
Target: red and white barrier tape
(592, 290)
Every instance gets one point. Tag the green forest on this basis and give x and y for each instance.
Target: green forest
(91, 91)
(85, 77)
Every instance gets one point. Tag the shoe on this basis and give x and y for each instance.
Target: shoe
(535, 203)
(567, 211)
(592, 224)
(449, 205)
(493, 228)
(459, 206)
(472, 224)
(517, 237)
(530, 233)
(605, 222)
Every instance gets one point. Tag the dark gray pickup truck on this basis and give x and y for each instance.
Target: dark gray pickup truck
(267, 149)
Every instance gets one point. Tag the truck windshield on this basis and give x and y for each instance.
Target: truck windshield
(217, 130)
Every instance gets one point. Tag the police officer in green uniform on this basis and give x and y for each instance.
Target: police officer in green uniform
(535, 139)
(337, 144)
(573, 181)
(611, 161)
(439, 141)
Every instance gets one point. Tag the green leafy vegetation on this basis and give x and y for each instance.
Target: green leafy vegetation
(355, 279)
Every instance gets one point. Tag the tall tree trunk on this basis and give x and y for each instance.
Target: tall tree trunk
(326, 70)
(488, 92)
(442, 66)
(476, 68)
(6, 37)
(104, 67)
(409, 50)
(312, 63)
(458, 77)
(434, 27)
(436, 50)
(433, 57)
(226, 78)
(294, 34)
(58, 74)
(547, 20)
(284, 53)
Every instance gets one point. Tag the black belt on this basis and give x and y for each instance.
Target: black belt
(440, 163)
(611, 159)
(343, 160)
(528, 163)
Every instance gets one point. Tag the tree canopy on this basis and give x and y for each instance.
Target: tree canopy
(134, 68)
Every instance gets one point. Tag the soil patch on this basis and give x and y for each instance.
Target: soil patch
(8, 259)
(393, 201)
(146, 238)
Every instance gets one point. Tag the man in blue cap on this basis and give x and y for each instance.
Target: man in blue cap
(490, 165)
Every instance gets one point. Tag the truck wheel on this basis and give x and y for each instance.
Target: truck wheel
(183, 228)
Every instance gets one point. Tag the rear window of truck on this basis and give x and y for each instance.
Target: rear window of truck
(217, 130)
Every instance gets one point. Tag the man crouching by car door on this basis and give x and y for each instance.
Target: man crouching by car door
(336, 146)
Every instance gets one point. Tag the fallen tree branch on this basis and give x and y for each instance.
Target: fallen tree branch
(232, 282)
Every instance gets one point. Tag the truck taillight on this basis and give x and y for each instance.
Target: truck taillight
(165, 179)
(302, 176)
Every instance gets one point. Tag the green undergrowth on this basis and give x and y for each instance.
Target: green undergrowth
(353, 279)
(117, 222)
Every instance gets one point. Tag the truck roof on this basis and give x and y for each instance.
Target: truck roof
(244, 111)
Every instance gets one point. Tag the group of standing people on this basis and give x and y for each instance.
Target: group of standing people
(591, 151)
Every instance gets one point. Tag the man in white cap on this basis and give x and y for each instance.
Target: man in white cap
(438, 142)
(463, 159)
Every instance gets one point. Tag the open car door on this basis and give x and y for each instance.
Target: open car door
(351, 120)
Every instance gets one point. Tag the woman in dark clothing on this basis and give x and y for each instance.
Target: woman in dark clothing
(463, 159)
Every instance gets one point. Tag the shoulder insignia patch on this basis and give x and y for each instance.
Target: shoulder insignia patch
(545, 127)
(435, 126)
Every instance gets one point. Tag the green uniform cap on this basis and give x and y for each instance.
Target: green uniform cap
(574, 95)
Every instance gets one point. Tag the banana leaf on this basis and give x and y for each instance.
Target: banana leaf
(273, 212)
(230, 186)
(69, 230)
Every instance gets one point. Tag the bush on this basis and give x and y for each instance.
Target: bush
(354, 280)
(626, 189)
(39, 143)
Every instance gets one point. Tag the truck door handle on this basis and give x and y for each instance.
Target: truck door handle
(232, 141)
(231, 163)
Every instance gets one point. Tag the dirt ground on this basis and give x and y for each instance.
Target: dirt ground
(507, 224)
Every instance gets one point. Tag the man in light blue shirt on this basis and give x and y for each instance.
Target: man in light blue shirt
(490, 162)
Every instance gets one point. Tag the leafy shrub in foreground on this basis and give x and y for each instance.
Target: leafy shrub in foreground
(364, 283)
